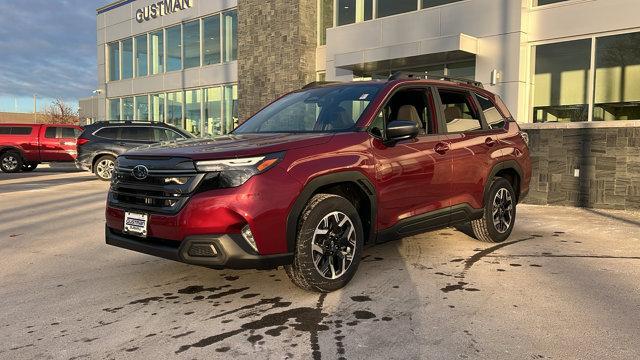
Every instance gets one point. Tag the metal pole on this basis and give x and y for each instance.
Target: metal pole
(34, 109)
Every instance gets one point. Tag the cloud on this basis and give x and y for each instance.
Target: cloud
(48, 48)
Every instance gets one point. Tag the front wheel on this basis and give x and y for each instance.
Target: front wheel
(329, 244)
(11, 162)
(499, 216)
(104, 167)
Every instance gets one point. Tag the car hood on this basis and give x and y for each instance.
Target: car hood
(230, 146)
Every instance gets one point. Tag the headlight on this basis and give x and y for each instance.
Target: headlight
(235, 172)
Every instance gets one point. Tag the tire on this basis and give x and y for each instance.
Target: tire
(501, 199)
(319, 267)
(28, 167)
(103, 167)
(11, 162)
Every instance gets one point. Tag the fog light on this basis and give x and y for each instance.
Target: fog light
(248, 236)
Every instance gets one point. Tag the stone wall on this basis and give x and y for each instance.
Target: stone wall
(588, 165)
(276, 50)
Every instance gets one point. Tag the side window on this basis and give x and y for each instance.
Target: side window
(137, 133)
(159, 135)
(69, 133)
(172, 135)
(409, 105)
(50, 133)
(459, 112)
(494, 119)
(108, 133)
(5, 130)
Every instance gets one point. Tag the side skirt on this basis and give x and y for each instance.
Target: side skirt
(430, 221)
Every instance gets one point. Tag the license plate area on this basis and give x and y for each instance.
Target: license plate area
(136, 224)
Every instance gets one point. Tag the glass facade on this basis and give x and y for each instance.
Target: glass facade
(207, 41)
(211, 40)
(156, 52)
(325, 20)
(142, 59)
(432, 3)
(353, 11)
(393, 7)
(113, 55)
(204, 112)
(546, 2)
(127, 59)
(191, 44)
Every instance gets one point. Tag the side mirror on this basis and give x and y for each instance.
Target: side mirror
(401, 130)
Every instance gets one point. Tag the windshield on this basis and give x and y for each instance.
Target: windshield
(327, 109)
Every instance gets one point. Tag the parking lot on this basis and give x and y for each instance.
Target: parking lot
(565, 286)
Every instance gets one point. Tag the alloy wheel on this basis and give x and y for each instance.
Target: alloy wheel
(333, 245)
(9, 163)
(502, 210)
(105, 168)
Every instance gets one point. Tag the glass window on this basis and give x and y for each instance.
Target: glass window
(352, 11)
(108, 133)
(137, 133)
(313, 110)
(141, 56)
(127, 58)
(50, 133)
(174, 109)
(16, 130)
(69, 133)
(156, 52)
(617, 86)
(211, 40)
(127, 108)
(114, 109)
(325, 19)
(392, 7)
(494, 119)
(213, 111)
(113, 50)
(230, 32)
(561, 81)
(142, 108)
(465, 70)
(174, 48)
(432, 3)
(193, 115)
(459, 112)
(5, 130)
(192, 44)
(547, 2)
(157, 107)
(230, 115)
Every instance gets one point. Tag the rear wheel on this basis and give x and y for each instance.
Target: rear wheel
(329, 244)
(29, 166)
(499, 215)
(11, 162)
(104, 167)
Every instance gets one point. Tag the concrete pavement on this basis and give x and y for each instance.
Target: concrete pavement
(565, 286)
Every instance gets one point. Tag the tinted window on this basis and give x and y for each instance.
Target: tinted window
(4, 130)
(137, 133)
(50, 133)
(22, 130)
(172, 135)
(494, 119)
(108, 133)
(459, 112)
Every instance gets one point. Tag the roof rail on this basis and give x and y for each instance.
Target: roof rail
(404, 75)
(316, 84)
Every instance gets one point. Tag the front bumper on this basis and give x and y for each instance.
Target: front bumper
(230, 250)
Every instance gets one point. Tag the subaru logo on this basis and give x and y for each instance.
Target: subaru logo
(140, 172)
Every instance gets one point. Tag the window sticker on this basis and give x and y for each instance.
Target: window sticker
(364, 97)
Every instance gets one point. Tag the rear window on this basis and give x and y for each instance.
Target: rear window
(15, 130)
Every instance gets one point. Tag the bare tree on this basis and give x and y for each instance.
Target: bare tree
(60, 113)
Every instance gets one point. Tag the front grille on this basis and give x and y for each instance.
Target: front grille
(166, 188)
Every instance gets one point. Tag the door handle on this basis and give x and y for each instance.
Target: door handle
(490, 142)
(442, 148)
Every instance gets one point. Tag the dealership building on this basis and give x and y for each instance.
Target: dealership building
(568, 69)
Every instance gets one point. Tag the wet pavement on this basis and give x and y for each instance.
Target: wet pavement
(564, 286)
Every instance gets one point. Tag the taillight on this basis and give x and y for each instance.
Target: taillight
(81, 141)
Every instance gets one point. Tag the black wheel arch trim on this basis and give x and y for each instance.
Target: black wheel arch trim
(505, 165)
(312, 186)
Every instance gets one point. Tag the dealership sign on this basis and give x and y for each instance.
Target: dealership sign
(161, 8)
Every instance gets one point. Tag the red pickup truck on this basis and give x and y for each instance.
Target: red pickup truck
(24, 146)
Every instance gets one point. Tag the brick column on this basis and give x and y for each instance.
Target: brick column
(276, 50)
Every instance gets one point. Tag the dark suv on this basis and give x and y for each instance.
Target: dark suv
(101, 142)
(315, 176)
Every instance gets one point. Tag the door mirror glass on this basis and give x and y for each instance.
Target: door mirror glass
(399, 130)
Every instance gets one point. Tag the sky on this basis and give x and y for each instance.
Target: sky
(47, 48)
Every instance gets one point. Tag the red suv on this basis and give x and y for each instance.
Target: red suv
(320, 173)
